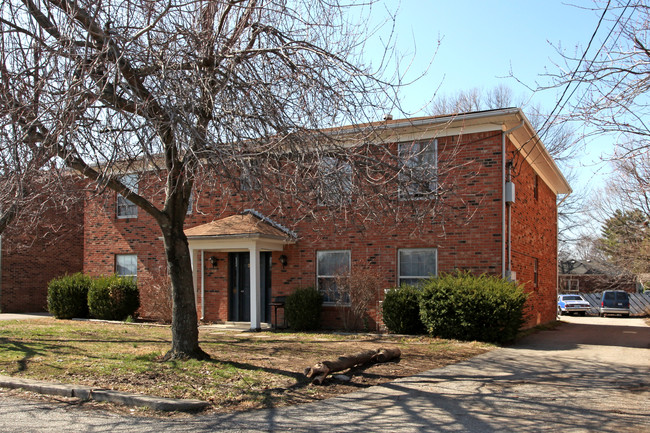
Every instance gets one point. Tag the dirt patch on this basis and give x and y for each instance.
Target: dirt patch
(285, 357)
(246, 370)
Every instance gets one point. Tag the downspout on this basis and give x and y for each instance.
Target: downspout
(509, 206)
(503, 200)
(202, 284)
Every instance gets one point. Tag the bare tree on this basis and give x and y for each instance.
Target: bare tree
(605, 90)
(230, 94)
(606, 83)
(30, 180)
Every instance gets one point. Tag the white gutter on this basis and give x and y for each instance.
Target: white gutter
(503, 199)
(427, 121)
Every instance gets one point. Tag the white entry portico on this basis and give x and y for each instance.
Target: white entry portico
(249, 232)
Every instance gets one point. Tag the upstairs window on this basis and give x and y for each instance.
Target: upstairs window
(416, 264)
(419, 171)
(190, 203)
(125, 208)
(248, 180)
(331, 266)
(336, 183)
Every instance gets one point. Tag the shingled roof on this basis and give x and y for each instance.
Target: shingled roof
(247, 225)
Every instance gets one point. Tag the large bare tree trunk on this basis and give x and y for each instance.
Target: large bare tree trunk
(185, 333)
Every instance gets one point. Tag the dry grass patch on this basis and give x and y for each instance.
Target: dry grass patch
(247, 370)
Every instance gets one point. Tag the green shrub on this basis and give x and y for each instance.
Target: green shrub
(113, 298)
(401, 310)
(302, 309)
(67, 296)
(466, 307)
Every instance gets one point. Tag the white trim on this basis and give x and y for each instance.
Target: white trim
(255, 288)
(202, 284)
(236, 243)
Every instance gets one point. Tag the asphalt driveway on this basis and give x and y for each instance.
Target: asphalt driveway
(589, 375)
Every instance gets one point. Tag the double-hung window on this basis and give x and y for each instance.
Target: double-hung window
(336, 178)
(125, 208)
(126, 265)
(248, 180)
(419, 170)
(416, 264)
(331, 267)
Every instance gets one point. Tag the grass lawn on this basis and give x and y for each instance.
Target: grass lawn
(247, 370)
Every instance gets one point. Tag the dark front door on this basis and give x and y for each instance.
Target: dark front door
(240, 287)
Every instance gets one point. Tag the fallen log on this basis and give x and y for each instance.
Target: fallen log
(319, 371)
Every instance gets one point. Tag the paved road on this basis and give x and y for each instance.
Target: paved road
(589, 375)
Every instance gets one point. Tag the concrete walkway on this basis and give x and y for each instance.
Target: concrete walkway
(589, 375)
(23, 316)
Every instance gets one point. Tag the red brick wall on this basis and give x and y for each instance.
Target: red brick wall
(466, 231)
(534, 237)
(32, 255)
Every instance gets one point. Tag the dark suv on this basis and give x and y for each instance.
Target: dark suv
(614, 302)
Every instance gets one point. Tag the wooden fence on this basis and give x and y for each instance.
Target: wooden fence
(639, 303)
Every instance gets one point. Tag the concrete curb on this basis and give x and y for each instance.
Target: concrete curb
(87, 393)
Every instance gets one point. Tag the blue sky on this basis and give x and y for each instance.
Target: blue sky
(483, 42)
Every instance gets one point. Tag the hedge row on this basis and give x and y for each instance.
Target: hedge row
(80, 296)
(459, 306)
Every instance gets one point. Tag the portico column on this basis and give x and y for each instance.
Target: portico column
(256, 301)
(193, 266)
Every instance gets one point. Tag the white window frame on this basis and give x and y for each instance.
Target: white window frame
(319, 277)
(126, 208)
(401, 277)
(336, 176)
(125, 259)
(421, 180)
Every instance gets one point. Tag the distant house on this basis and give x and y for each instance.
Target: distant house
(242, 260)
(587, 276)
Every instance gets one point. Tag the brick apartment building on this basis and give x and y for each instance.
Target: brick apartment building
(241, 260)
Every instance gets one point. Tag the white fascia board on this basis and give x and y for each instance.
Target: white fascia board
(231, 244)
(531, 147)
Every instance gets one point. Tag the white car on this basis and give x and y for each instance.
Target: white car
(573, 303)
